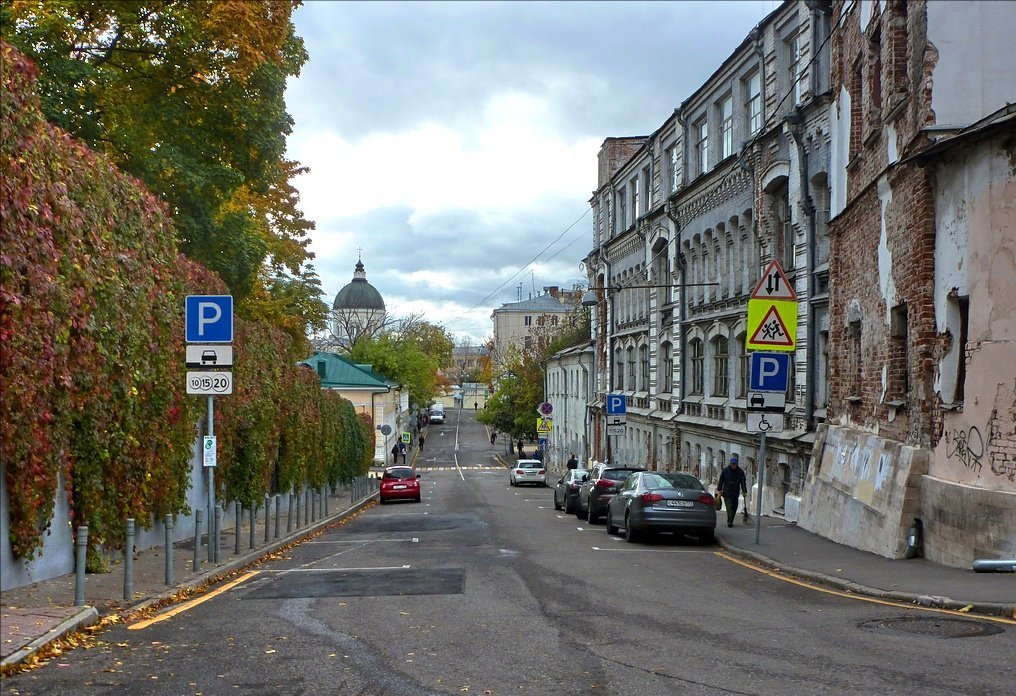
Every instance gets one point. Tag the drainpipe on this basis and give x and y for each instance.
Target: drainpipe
(796, 123)
(682, 316)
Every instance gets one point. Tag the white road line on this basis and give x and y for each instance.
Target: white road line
(414, 540)
(332, 570)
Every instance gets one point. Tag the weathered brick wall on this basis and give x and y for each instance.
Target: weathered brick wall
(614, 152)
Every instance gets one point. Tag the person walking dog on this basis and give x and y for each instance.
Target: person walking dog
(731, 484)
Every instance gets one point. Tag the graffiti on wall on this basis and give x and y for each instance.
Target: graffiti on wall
(967, 446)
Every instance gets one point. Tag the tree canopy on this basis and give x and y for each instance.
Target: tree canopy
(188, 96)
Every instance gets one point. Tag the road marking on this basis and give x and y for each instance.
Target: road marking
(192, 603)
(646, 548)
(862, 598)
(285, 571)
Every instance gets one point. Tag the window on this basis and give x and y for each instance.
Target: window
(668, 368)
(622, 204)
(856, 109)
(528, 320)
(875, 81)
(618, 371)
(962, 310)
(702, 146)
(631, 369)
(647, 190)
(644, 367)
(720, 363)
(726, 128)
(696, 366)
(899, 370)
(792, 51)
(636, 202)
(784, 229)
(753, 103)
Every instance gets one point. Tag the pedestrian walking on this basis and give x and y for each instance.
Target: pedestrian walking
(731, 484)
(395, 453)
(493, 436)
(522, 452)
(476, 405)
(573, 462)
(422, 440)
(402, 451)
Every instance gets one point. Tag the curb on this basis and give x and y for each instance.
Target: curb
(85, 617)
(991, 609)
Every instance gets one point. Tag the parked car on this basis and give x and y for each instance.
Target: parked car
(566, 492)
(528, 471)
(650, 502)
(399, 483)
(595, 492)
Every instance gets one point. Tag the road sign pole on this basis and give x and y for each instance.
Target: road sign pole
(761, 483)
(211, 483)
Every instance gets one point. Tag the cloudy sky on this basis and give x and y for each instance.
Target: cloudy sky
(455, 143)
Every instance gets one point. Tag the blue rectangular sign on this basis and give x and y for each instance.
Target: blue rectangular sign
(769, 372)
(209, 318)
(616, 405)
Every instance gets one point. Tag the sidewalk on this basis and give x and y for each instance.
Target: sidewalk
(36, 615)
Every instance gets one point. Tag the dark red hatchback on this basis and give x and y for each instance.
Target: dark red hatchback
(399, 483)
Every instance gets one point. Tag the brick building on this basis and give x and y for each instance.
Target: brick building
(908, 78)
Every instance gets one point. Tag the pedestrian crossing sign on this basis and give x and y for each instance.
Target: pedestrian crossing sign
(772, 325)
(543, 425)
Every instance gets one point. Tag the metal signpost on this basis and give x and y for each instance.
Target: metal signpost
(772, 326)
(208, 320)
(617, 415)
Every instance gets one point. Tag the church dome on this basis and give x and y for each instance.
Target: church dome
(358, 293)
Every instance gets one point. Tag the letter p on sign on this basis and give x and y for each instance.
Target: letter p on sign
(769, 372)
(209, 318)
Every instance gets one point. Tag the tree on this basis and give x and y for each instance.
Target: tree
(189, 98)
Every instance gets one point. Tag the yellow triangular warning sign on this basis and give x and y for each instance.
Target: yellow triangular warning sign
(771, 332)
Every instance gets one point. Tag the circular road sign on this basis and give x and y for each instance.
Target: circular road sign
(546, 408)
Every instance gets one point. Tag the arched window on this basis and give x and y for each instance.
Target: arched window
(666, 376)
(631, 368)
(697, 365)
(644, 367)
(720, 366)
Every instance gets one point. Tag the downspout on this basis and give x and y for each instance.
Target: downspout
(807, 207)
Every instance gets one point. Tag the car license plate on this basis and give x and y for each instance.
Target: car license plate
(679, 503)
(399, 487)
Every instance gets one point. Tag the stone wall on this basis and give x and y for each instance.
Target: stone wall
(963, 523)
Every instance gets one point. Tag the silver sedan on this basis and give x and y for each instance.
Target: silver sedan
(651, 502)
(528, 471)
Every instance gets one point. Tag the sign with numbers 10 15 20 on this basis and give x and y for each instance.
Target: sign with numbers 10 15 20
(210, 383)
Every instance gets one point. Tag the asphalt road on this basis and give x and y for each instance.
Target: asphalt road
(485, 589)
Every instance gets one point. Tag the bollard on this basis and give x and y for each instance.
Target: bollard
(278, 511)
(219, 514)
(289, 516)
(128, 561)
(268, 517)
(312, 492)
(252, 516)
(81, 546)
(298, 501)
(306, 506)
(167, 522)
(199, 515)
(327, 493)
(238, 509)
(352, 492)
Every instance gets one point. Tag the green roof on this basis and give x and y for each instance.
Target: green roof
(337, 372)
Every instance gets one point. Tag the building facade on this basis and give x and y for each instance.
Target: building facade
(569, 388)
(518, 326)
(921, 413)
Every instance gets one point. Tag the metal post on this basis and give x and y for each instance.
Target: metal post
(268, 517)
(761, 483)
(128, 562)
(278, 505)
(211, 479)
(252, 515)
(81, 547)
(167, 522)
(352, 492)
(327, 489)
(289, 515)
(298, 497)
(198, 517)
(219, 514)
(238, 511)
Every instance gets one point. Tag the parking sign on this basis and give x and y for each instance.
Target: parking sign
(209, 318)
(769, 372)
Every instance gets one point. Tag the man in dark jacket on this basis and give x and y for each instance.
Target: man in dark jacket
(573, 462)
(731, 484)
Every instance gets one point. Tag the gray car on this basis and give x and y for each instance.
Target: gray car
(651, 502)
(566, 492)
(603, 482)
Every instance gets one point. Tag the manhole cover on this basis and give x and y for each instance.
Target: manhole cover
(936, 627)
(403, 524)
(363, 583)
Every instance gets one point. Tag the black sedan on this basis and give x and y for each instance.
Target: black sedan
(566, 492)
(651, 502)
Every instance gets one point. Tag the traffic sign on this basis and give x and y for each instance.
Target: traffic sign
(545, 409)
(770, 372)
(210, 383)
(774, 284)
(615, 430)
(772, 325)
(209, 318)
(544, 425)
(209, 450)
(406, 437)
(767, 401)
(209, 355)
(763, 422)
(616, 405)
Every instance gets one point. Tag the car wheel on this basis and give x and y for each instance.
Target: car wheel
(630, 535)
(569, 505)
(579, 512)
(611, 529)
(417, 499)
(707, 538)
(557, 505)
(511, 481)
(591, 517)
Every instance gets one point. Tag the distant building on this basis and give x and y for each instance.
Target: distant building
(358, 310)
(517, 325)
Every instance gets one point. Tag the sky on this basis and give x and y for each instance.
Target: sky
(452, 145)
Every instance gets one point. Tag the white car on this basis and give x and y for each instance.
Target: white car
(528, 471)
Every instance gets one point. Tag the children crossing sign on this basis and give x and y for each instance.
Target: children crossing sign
(772, 312)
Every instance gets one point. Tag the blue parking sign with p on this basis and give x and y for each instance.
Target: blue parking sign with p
(209, 318)
(616, 404)
(769, 372)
